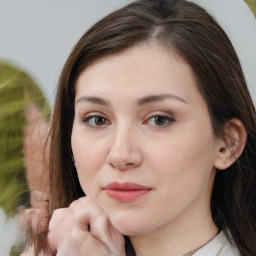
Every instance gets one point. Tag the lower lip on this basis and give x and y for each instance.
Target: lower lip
(126, 196)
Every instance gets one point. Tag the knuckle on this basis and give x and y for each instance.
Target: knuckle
(59, 213)
(27, 214)
(102, 219)
(79, 203)
(51, 240)
(58, 217)
(43, 225)
(74, 234)
(43, 205)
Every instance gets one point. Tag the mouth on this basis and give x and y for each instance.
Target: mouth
(126, 192)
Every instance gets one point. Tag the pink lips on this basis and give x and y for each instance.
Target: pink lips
(125, 192)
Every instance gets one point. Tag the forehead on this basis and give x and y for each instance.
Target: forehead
(147, 67)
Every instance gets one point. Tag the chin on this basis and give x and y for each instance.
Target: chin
(129, 226)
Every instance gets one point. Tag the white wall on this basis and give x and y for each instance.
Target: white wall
(240, 24)
(38, 35)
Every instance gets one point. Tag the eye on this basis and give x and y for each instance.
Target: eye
(95, 121)
(160, 120)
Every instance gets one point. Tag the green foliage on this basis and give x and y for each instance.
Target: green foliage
(17, 248)
(17, 90)
(252, 5)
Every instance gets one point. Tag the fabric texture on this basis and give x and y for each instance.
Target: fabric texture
(218, 246)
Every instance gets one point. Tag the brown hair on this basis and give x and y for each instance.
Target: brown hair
(197, 37)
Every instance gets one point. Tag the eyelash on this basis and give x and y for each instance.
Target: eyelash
(166, 120)
(90, 117)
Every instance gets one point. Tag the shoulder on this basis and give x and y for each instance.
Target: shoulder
(219, 246)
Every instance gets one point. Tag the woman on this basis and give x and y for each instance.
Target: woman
(154, 123)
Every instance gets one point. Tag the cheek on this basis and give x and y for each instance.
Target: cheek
(184, 158)
(183, 173)
(89, 158)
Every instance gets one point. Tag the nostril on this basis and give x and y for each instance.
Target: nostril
(124, 166)
(129, 164)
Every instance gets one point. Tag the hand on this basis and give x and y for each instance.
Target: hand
(84, 229)
(36, 217)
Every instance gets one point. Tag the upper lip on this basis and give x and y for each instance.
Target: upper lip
(125, 186)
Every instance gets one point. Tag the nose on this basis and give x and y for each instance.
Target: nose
(124, 152)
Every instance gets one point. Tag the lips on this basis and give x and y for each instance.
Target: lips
(126, 192)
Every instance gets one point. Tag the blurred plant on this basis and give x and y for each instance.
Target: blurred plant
(252, 5)
(17, 91)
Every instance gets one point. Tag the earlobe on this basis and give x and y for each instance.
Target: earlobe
(232, 145)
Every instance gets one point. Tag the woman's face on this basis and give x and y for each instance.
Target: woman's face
(142, 140)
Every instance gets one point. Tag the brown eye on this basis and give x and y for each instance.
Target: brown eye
(159, 120)
(95, 121)
(99, 120)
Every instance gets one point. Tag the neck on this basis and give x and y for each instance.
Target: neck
(178, 237)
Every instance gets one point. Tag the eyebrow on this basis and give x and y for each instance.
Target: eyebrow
(161, 97)
(93, 99)
(140, 102)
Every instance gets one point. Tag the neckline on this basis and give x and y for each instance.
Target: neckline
(197, 249)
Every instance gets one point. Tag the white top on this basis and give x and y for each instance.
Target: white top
(218, 246)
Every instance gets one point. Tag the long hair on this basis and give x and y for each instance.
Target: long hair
(199, 40)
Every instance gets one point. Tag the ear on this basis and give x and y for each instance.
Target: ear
(231, 146)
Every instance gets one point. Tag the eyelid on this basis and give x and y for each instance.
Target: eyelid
(94, 114)
(164, 114)
(160, 113)
(86, 118)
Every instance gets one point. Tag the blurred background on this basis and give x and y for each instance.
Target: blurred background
(36, 37)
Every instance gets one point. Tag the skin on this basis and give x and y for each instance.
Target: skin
(37, 176)
(102, 239)
(35, 138)
(176, 158)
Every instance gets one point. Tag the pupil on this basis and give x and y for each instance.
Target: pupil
(99, 120)
(159, 120)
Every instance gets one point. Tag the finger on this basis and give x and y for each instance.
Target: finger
(83, 210)
(102, 229)
(39, 195)
(68, 231)
(69, 226)
(37, 198)
(37, 219)
(76, 243)
(68, 240)
(23, 222)
(90, 214)
(39, 224)
(57, 228)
